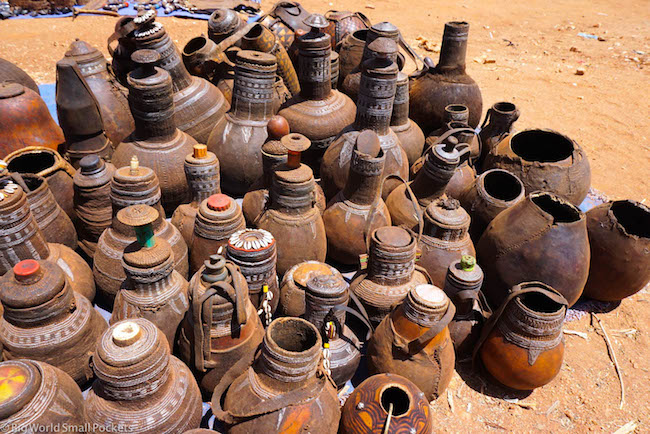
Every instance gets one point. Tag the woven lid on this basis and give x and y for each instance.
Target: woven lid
(394, 236)
(31, 283)
(19, 382)
(447, 212)
(137, 215)
(250, 240)
(219, 202)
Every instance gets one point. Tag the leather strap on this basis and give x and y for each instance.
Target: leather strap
(416, 345)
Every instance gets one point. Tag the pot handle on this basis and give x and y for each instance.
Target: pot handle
(416, 345)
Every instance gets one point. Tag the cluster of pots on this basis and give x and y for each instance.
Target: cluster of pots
(211, 199)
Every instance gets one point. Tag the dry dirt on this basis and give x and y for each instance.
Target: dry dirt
(536, 51)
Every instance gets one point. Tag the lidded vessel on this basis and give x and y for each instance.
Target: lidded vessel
(45, 320)
(153, 289)
(140, 386)
(202, 173)
(221, 327)
(456, 116)
(156, 141)
(294, 284)
(358, 209)
(414, 341)
(318, 112)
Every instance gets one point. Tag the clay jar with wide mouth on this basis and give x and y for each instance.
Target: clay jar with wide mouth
(544, 160)
(619, 237)
(541, 238)
(350, 52)
(294, 283)
(39, 306)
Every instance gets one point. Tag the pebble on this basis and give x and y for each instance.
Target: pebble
(580, 71)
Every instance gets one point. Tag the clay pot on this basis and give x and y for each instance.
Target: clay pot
(204, 58)
(222, 23)
(619, 238)
(318, 112)
(202, 173)
(40, 306)
(218, 217)
(221, 326)
(522, 345)
(391, 272)
(110, 95)
(410, 135)
(463, 178)
(284, 386)
(435, 87)
(358, 209)
(284, 19)
(92, 203)
(414, 341)
(156, 141)
(121, 52)
(292, 216)
(153, 290)
(140, 386)
(493, 191)
(541, 238)
(10, 72)
(350, 52)
(79, 115)
(238, 136)
(24, 240)
(445, 238)
(36, 396)
(368, 407)
(498, 122)
(254, 252)
(25, 120)
(374, 109)
(51, 166)
(132, 185)
(343, 23)
(544, 160)
(325, 297)
(457, 116)
(294, 283)
(334, 69)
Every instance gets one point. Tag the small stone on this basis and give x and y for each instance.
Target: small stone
(601, 39)
(574, 50)
(489, 60)
(580, 71)
(369, 6)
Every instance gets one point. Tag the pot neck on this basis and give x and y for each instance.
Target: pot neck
(203, 176)
(152, 104)
(363, 186)
(19, 228)
(253, 87)
(454, 48)
(390, 265)
(375, 99)
(314, 66)
(432, 179)
(400, 114)
(293, 196)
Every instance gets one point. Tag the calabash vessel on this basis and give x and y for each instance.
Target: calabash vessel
(221, 327)
(409, 133)
(40, 306)
(10, 72)
(350, 51)
(414, 341)
(223, 23)
(140, 386)
(385, 396)
(498, 122)
(544, 160)
(541, 238)
(294, 283)
(435, 87)
(153, 289)
(285, 389)
(284, 19)
(41, 396)
(342, 23)
(391, 272)
(619, 237)
(522, 345)
(457, 116)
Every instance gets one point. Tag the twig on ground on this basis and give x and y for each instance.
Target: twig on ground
(612, 356)
(450, 400)
(583, 335)
(627, 428)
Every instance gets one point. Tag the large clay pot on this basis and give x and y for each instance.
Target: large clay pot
(358, 209)
(541, 238)
(318, 112)
(25, 120)
(498, 122)
(40, 307)
(409, 133)
(153, 290)
(36, 397)
(139, 385)
(221, 327)
(285, 389)
(285, 19)
(619, 237)
(492, 192)
(414, 341)
(342, 23)
(368, 408)
(350, 52)
(10, 72)
(435, 87)
(522, 345)
(294, 283)
(544, 160)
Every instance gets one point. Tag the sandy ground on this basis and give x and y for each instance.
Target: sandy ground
(536, 51)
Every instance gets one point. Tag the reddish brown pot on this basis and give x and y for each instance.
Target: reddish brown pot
(619, 236)
(463, 178)
(457, 116)
(40, 306)
(543, 238)
(498, 122)
(350, 52)
(12, 73)
(544, 160)
(294, 283)
(342, 23)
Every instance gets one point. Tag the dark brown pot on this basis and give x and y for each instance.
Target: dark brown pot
(457, 116)
(343, 23)
(522, 346)
(544, 160)
(410, 135)
(140, 386)
(25, 120)
(12, 73)
(367, 408)
(414, 341)
(498, 122)
(493, 191)
(463, 178)
(222, 23)
(39, 391)
(350, 52)
(221, 326)
(41, 307)
(286, 380)
(284, 19)
(446, 83)
(294, 283)
(619, 236)
(334, 63)
(541, 238)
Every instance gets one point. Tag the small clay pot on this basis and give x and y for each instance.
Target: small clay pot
(294, 283)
